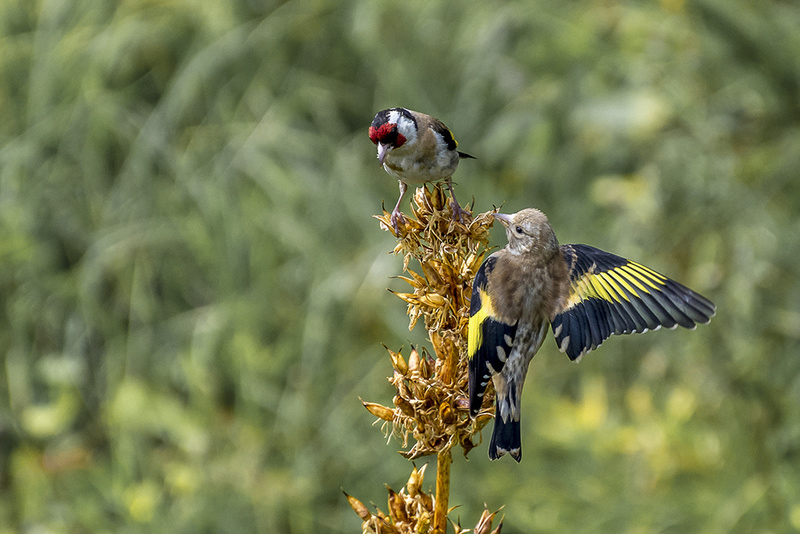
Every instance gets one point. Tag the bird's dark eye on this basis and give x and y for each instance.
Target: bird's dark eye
(518, 229)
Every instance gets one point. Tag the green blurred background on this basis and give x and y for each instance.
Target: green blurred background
(194, 291)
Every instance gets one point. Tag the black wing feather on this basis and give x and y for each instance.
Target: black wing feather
(489, 341)
(612, 295)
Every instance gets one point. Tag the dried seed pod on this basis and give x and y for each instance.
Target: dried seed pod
(426, 501)
(415, 481)
(447, 414)
(398, 362)
(385, 527)
(358, 506)
(397, 506)
(438, 199)
(433, 299)
(403, 405)
(425, 368)
(432, 276)
(424, 523)
(485, 523)
(414, 361)
(410, 298)
(378, 410)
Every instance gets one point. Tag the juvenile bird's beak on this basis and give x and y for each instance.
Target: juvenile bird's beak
(383, 150)
(503, 218)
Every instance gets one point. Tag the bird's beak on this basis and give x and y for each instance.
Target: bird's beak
(383, 150)
(503, 218)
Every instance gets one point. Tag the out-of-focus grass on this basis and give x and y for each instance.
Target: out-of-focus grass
(193, 288)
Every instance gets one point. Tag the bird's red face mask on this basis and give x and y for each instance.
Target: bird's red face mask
(387, 138)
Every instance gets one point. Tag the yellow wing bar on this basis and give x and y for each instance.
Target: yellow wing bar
(612, 295)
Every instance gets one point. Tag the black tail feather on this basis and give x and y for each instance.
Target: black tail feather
(505, 439)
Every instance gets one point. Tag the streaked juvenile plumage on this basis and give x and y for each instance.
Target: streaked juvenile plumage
(583, 293)
(415, 148)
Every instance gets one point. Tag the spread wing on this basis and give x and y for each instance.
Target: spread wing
(489, 341)
(609, 295)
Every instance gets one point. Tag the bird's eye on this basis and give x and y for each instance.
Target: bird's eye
(518, 229)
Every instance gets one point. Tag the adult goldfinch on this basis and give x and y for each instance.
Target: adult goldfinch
(583, 293)
(415, 148)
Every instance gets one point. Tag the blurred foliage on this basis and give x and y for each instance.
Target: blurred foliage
(193, 287)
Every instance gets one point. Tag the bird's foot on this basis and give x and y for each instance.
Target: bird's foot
(397, 218)
(460, 214)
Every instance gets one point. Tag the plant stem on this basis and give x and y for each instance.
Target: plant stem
(443, 461)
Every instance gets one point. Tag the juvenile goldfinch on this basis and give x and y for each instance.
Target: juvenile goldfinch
(415, 148)
(585, 294)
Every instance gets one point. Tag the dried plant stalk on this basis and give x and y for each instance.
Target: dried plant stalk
(440, 257)
(443, 461)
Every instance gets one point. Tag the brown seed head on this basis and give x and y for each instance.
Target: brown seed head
(440, 258)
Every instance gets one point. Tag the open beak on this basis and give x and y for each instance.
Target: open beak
(383, 150)
(503, 218)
